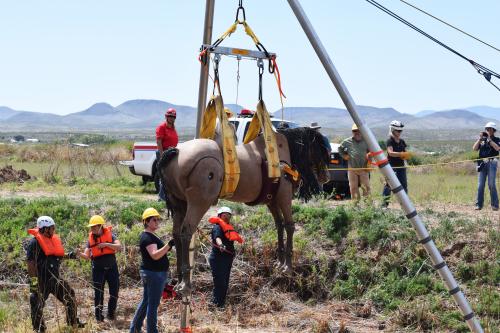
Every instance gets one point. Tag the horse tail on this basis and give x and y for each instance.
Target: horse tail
(171, 202)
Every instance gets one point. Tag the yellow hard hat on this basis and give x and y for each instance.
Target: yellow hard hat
(149, 212)
(354, 127)
(95, 220)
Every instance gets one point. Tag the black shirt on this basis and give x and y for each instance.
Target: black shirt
(148, 263)
(217, 232)
(486, 150)
(397, 147)
(47, 266)
(104, 261)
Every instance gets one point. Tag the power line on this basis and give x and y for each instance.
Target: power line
(451, 26)
(484, 71)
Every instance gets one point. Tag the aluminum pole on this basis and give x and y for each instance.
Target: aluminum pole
(203, 87)
(423, 236)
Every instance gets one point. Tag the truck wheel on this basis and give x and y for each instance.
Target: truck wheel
(157, 182)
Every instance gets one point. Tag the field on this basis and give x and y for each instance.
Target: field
(358, 268)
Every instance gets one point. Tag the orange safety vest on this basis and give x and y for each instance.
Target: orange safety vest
(106, 237)
(50, 246)
(228, 229)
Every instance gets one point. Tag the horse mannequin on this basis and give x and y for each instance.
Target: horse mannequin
(193, 175)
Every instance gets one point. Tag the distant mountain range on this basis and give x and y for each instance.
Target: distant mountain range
(147, 114)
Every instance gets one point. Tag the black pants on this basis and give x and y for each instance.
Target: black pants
(62, 291)
(221, 270)
(101, 275)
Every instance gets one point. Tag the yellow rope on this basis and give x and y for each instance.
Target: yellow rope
(412, 166)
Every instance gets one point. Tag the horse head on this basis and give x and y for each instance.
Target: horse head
(310, 156)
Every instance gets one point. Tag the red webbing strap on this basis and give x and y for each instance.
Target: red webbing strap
(373, 154)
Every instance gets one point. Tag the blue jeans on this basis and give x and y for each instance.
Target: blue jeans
(401, 175)
(489, 171)
(153, 283)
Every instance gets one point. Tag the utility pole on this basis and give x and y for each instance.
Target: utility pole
(410, 211)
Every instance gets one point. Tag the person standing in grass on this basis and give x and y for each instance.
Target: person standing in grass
(354, 150)
(101, 248)
(166, 137)
(397, 154)
(488, 145)
(222, 255)
(44, 254)
(154, 268)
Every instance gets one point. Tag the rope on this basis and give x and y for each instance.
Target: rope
(484, 71)
(448, 24)
(413, 166)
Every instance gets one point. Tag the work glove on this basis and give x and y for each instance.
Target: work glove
(405, 155)
(171, 243)
(33, 284)
(345, 157)
(222, 247)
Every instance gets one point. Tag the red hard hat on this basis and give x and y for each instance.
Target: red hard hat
(171, 113)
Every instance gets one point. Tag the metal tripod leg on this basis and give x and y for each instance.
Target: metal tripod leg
(387, 171)
(186, 299)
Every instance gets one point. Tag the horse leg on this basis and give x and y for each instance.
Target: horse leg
(278, 220)
(178, 217)
(194, 213)
(290, 228)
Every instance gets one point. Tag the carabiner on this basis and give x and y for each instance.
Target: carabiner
(260, 64)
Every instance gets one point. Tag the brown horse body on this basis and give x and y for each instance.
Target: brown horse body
(193, 176)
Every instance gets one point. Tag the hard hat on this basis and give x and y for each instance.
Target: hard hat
(228, 112)
(396, 125)
(95, 220)
(491, 124)
(149, 212)
(354, 127)
(224, 210)
(171, 113)
(44, 221)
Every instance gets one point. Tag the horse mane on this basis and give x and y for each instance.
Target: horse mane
(172, 203)
(307, 154)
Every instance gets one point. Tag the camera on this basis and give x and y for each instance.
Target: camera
(484, 135)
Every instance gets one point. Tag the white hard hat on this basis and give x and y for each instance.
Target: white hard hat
(44, 221)
(224, 210)
(491, 124)
(396, 125)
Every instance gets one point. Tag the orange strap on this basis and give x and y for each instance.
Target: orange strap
(373, 154)
(277, 76)
(186, 329)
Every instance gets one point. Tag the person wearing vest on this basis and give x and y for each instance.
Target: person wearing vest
(44, 253)
(488, 145)
(222, 255)
(397, 154)
(101, 248)
(166, 137)
(154, 268)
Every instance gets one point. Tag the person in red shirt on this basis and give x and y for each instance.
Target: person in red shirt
(166, 137)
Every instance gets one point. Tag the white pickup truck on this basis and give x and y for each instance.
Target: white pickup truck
(144, 157)
(143, 161)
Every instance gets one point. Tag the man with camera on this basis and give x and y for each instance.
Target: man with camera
(488, 145)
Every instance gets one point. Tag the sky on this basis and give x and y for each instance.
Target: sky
(63, 56)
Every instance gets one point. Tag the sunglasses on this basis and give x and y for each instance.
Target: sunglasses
(399, 131)
(355, 131)
(170, 117)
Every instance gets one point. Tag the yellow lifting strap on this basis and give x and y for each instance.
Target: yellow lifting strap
(215, 109)
(233, 28)
(262, 120)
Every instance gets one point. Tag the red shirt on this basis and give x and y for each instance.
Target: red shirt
(168, 136)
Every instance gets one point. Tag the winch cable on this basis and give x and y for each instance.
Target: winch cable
(238, 79)
(450, 25)
(482, 70)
